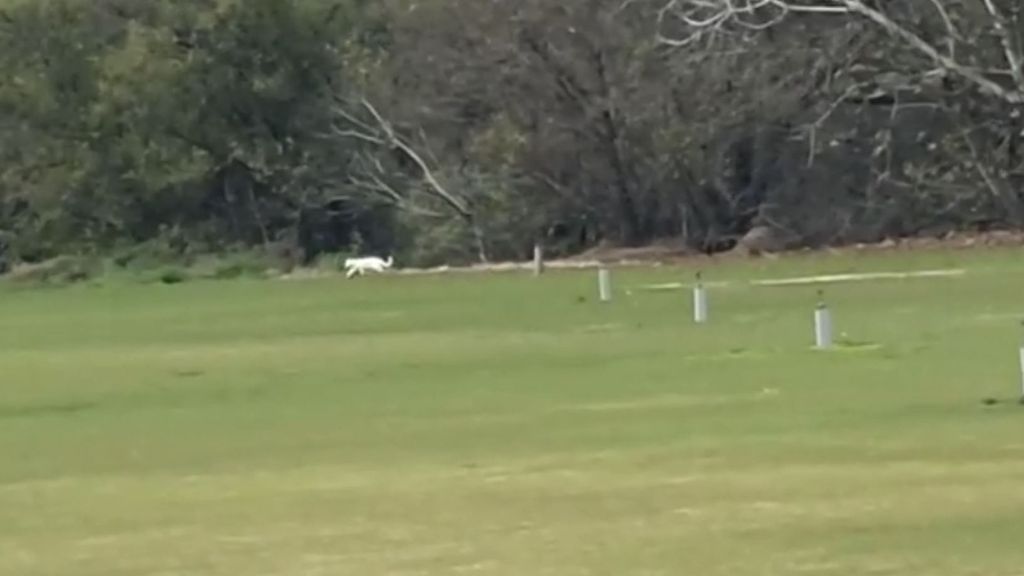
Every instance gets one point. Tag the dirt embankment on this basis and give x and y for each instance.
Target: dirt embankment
(673, 253)
(668, 253)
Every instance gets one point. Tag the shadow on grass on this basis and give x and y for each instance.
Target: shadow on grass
(41, 410)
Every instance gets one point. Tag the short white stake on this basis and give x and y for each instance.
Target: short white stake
(822, 325)
(1022, 369)
(1022, 374)
(700, 302)
(538, 259)
(604, 284)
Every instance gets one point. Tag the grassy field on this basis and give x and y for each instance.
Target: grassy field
(500, 424)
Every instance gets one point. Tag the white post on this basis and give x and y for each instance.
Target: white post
(700, 302)
(822, 325)
(538, 259)
(604, 284)
(1022, 374)
(1022, 369)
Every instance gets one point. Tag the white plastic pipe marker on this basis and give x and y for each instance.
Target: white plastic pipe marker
(700, 301)
(1022, 367)
(604, 284)
(822, 324)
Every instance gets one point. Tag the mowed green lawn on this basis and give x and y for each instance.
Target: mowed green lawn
(497, 424)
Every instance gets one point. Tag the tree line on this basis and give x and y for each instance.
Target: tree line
(461, 130)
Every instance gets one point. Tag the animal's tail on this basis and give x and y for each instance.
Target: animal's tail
(389, 262)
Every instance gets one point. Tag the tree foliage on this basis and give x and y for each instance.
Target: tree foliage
(460, 130)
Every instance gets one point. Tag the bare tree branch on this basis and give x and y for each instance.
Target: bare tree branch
(1012, 53)
(384, 135)
(817, 124)
(378, 186)
(952, 35)
(1010, 204)
(381, 133)
(341, 110)
(704, 17)
(428, 175)
(357, 135)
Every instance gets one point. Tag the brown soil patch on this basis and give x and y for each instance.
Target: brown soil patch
(673, 252)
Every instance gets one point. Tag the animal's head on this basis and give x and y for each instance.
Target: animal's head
(390, 261)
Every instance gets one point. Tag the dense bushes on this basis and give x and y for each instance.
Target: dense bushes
(153, 132)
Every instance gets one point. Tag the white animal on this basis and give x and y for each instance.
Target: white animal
(360, 266)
